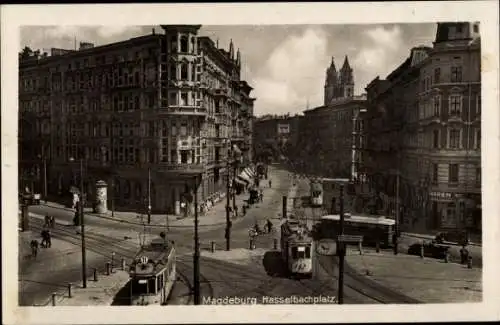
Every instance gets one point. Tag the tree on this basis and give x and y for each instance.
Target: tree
(26, 53)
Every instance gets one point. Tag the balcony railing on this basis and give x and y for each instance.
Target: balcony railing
(180, 167)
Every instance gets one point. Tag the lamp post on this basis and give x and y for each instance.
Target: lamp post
(82, 227)
(341, 244)
(44, 160)
(196, 261)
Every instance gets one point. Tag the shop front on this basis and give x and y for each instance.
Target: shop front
(455, 210)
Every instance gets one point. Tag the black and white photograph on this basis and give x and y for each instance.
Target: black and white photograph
(169, 163)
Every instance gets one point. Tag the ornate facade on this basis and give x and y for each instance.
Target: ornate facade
(170, 103)
(425, 125)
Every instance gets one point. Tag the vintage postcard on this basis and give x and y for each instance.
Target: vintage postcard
(248, 162)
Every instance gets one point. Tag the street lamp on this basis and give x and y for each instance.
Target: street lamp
(340, 244)
(82, 226)
(44, 176)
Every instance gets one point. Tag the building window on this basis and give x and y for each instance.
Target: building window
(184, 44)
(478, 139)
(164, 129)
(184, 99)
(476, 28)
(174, 130)
(173, 71)
(478, 176)
(183, 130)
(173, 43)
(435, 173)
(456, 74)
(437, 106)
(184, 156)
(478, 104)
(453, 173)
(454, 140)
(435, 139)
(437, 75)
(172, 99)
(455, 104)
(184, 71)
(164, 150)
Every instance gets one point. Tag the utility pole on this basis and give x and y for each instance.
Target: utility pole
(233, 192)
(112, 197)
(82, 226)
(341, 248)
(196, 261)
(45, 179)
(284, 212)
(228, 219)
(395, 243)
(149, 195)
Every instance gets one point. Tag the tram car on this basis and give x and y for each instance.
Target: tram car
(152, 273)
(373, 228)
(297, 248)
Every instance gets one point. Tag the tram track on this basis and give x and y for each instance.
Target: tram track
(106, 248)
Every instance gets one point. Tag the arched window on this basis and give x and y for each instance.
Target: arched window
(184, 71)
(173, 43)
(193, 40)
(184, 44)
(173, 71)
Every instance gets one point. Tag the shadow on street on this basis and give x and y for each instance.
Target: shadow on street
(274, 264)
(122, 297)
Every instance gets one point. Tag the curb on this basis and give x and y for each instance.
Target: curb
(429, 237)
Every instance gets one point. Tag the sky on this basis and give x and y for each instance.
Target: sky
(285, 64)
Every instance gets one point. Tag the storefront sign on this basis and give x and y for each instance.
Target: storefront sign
(445, 195)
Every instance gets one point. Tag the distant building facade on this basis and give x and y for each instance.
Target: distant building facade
(172, 103)
(424, 124)
(332, 135)
(276, 132)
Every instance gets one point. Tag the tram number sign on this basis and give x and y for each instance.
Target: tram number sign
(349, 238)
(144, 260)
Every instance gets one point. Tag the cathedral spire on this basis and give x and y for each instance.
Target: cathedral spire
(238, 58)
(346, 65)
(231, 50)
(332, 65)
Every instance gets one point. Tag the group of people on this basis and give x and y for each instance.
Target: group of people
(45, 234)
(256, 230)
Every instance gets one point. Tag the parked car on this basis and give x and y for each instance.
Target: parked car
(455, 236)
(430, 250)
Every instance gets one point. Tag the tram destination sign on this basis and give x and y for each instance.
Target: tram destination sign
(349, 238)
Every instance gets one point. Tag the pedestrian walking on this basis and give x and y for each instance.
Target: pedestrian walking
(235, 210)
(42, 234)
(52, 221)
(49, 239)
(47, 220)
(34, 248)
(270, 183)
(464, 255)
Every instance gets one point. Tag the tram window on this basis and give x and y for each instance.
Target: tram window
(308, 252)
(140, 287)
(294, 252)
(159, 281)
(316, 194)
(152, 285)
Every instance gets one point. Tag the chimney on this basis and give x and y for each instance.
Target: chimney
(153, 30)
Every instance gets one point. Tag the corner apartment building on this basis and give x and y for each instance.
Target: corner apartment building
(424, 124)
(171, 105)
(331, 136)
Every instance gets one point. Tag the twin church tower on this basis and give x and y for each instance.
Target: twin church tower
(338, 84)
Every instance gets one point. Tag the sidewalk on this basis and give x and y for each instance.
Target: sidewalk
(427, 280)
(101, 293)
(431, 237)
(51, 270)
(216, 216)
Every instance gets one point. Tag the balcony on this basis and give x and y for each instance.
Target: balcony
(180, 168)
(221, 92)
(184, 110)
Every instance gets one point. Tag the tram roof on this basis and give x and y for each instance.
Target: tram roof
(363, 218)
(156, 252)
